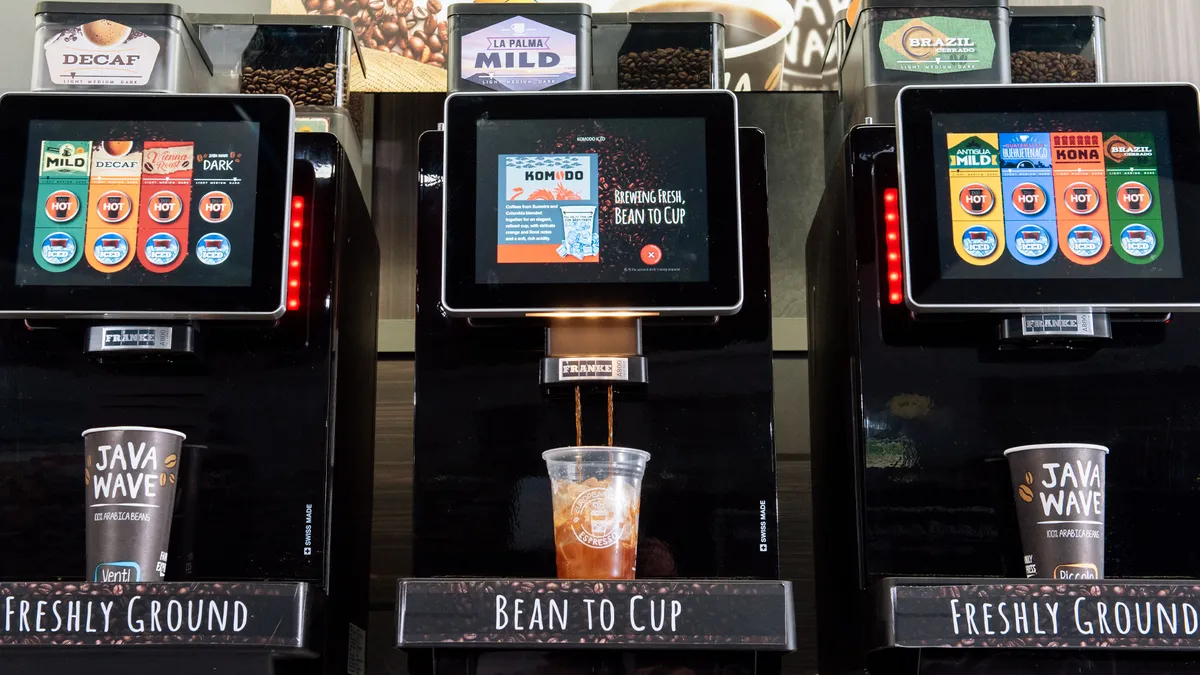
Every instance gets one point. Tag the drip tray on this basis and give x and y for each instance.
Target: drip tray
(1144, 614)
(540, 614)
(51, 619)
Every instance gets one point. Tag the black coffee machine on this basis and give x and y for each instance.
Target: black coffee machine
(968, 294)
(654, 337)
(258, 343)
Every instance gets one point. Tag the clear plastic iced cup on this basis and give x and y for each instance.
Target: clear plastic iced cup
(597, 498)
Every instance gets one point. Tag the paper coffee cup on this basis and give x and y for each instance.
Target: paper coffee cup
(1059, 492)
(130, 474)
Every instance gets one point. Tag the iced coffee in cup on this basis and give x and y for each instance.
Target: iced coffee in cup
(597, 498)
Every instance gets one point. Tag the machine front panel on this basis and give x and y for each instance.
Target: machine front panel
(482, 498)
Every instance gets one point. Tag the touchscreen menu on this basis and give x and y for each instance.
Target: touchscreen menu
(1064, 195)
(146, 203)
(592, 201)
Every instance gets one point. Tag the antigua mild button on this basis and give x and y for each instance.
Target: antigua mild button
(162, 248)
(976, 199)
(1032, 241)
(1138, 240)
(213, 249)
(1085, 241)
(110, 248)
(58, 248)
(979, 242)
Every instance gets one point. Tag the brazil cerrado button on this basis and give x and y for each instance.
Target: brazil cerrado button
(976, 199)
(1081, 198)
(110, 248)
(162, 248)
(216, 206)
(164, 206)
(62, 206)
(651, 254)
(1135, 198)
(114, 206)
(58, 248)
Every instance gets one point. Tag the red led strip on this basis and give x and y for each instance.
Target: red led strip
(295, 245)
(891, 228)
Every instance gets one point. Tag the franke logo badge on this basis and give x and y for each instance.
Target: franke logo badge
(615, 368)
(1118, 150)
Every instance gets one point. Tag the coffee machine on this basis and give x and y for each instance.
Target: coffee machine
(650, 330)
(986, 274)
(228, 293)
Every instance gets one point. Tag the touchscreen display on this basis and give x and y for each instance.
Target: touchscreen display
(592, 201)
(1056, 196)
(138, 204)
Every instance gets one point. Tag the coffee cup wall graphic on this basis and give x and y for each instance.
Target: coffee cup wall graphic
(130, 476)
(101, 53)
(1059, 494)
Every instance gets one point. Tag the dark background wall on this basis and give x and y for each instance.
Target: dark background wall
(793, 124)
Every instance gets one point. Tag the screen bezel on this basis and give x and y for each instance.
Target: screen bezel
(264, 298)
(926, 291)
(721, 294)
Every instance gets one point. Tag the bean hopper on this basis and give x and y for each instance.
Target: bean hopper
(648, 327)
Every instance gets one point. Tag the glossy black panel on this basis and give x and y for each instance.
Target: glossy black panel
(910, 419)
(265, 405)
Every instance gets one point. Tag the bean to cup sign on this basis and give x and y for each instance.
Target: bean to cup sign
(1086, 615)
(73, 613)
(598, 613)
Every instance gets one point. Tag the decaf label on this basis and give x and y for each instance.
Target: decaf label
(518, 54)
(937, 44)
(1038, 615)
(100, 53)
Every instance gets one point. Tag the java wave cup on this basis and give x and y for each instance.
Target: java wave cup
(129, 476)
(1059, 491)
(597, 499)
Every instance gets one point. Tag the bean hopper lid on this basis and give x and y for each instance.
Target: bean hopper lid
(1059, 10)
(109, 9)
(610, 18)
(503, 9)
(933, 5)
